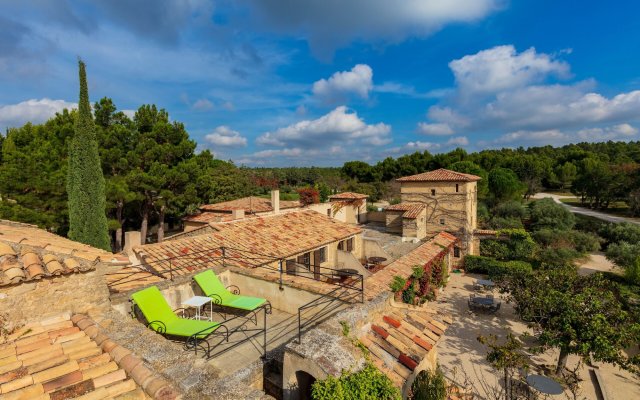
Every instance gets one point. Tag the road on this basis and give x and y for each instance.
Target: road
(586, 211)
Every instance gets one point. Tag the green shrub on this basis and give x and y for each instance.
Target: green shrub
(557, 257)
(510, 209)
(519, 245)
(498, 249)
(493, 267)
(620, 232)
(429, 385)
(585, 242)
(369, 383)
(371, 208)
(508, 268)
(397, 284)
(582, 242)
(409, 294)
(505, 223)
(546, 213)
(418, 272)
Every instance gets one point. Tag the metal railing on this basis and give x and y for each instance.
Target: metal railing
(330, 303)
(190, 262)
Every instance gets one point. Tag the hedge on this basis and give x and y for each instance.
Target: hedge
(493, 267)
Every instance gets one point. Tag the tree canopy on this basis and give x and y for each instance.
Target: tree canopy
(577, 314)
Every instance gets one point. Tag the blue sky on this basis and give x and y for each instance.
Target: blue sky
(281, 82)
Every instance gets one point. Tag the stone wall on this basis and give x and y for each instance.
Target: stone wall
(394, 221)
(376, 216)
(84, 293)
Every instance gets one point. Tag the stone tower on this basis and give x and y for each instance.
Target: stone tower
(450, 201)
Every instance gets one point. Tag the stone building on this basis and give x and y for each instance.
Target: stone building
(349, 207)
(345, 207)
(435, 201)
(67, 309)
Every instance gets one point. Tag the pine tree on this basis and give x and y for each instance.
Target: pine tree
(85, 182)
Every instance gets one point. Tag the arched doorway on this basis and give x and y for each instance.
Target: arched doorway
(304, 381)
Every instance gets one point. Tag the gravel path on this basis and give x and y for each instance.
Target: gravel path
(585, 211)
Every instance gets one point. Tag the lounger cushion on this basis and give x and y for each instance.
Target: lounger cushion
(245, 302)
(155, 308)
(211, 285)
(187, 327)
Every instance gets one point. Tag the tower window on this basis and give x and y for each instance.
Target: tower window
(441, 221)
(433, 192)
(456, 188)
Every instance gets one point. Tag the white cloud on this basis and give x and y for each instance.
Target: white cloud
(336, 126)
(330, 24)
(418, 145)
(202, 105)
(616, 132)
(501, 68)
(358, 81)
(499, 90)
(554, 136)
(558, 137)
(409, 91)
(291, 153)
(437, 129)
(225, 136)
(34, 111)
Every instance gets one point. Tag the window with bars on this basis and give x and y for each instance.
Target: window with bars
(341, 245)
(350, 244)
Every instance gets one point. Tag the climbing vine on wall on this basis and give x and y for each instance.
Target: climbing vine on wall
(423, 282)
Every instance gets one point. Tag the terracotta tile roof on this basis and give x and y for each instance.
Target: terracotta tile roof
(248, 243)
(63, 358)
(379, 282)
(30, 235)
(411, 210)
(440, 175)
(348, 196)
(28, 253)
(250, 204)
(401, 339)
(206, 217)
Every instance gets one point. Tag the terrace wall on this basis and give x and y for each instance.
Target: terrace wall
(84, 293)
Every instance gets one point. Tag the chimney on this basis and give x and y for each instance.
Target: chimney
(275, 201)
(237, 214)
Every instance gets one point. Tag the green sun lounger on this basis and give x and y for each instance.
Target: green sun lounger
(162, 319)
(212, 287)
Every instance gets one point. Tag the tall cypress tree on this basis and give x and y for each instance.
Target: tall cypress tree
(85, 182)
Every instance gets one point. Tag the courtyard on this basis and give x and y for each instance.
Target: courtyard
(462, 357)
